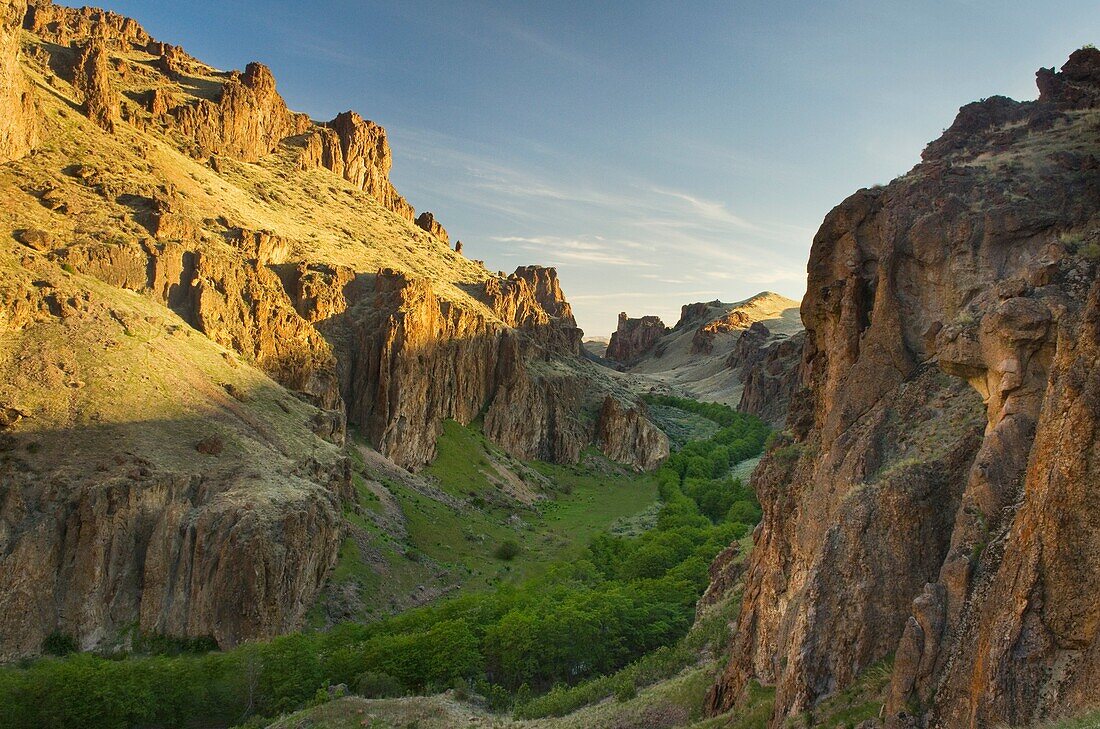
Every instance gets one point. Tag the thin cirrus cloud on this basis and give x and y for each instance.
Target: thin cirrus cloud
(610, 238)
(554, 250)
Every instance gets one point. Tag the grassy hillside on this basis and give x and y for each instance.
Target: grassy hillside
(475, 518)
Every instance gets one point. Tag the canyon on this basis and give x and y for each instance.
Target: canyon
(238, 371)
(744, 354)
(194, 271)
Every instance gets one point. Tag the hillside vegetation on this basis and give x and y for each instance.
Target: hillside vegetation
(538, 644)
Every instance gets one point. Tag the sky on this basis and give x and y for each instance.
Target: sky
(656, 153)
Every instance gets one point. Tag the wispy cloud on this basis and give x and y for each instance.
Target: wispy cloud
(556, 250)
(629, 239)
(615, 296)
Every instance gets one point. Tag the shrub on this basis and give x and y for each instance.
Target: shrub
(626, 690)
(59, 644)
(507, 551)
(378, 685)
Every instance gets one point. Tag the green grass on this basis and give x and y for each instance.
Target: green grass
(449, 549)
(461, 463)
(1089, 720)
(584, 502)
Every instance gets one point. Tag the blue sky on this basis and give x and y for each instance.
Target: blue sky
(657, 153)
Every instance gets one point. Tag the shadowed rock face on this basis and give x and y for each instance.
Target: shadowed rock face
(770, 372)
(626, 435)
(634, 337)
(937, 497)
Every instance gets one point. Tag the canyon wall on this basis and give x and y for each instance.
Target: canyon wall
(18, 116)
(634, 338)
(936, 498)
(200, 289)
(187, 495)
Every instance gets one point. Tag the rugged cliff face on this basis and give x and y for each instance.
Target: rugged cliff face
(18, 117)
(148, 477)
(937, 498)
(200, 288)
(769, 369)
(248, 120)
(634, 337)
(626, 435)
(358, 151)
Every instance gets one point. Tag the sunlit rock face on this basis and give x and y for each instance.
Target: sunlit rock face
(18, 115)
(936, 498)
(200, 290)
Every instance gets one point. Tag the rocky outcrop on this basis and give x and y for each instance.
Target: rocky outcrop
(247, 122)
(427, 222)
(696, 313)
(414, 359)
(703, 340)
(633, 338)
(18, 115)
(110, 524)
(63, 25)
(1076, 86)
(246, 309)
(534, 413)
(769, 372)
(100, 102)
(624, 434)
(357, 150)
(936, 471)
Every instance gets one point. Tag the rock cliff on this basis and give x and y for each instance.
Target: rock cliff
(248, 120)
(769, 368)
(92, 79)
(627, 436)
(18, 117)
(358, 151)
(936, 497)
(634, 338)
(182, 496)
(200, 289)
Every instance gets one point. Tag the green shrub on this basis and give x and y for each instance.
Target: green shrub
(378, 685)
(626, 690)
(59, 644)
(507, 551)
